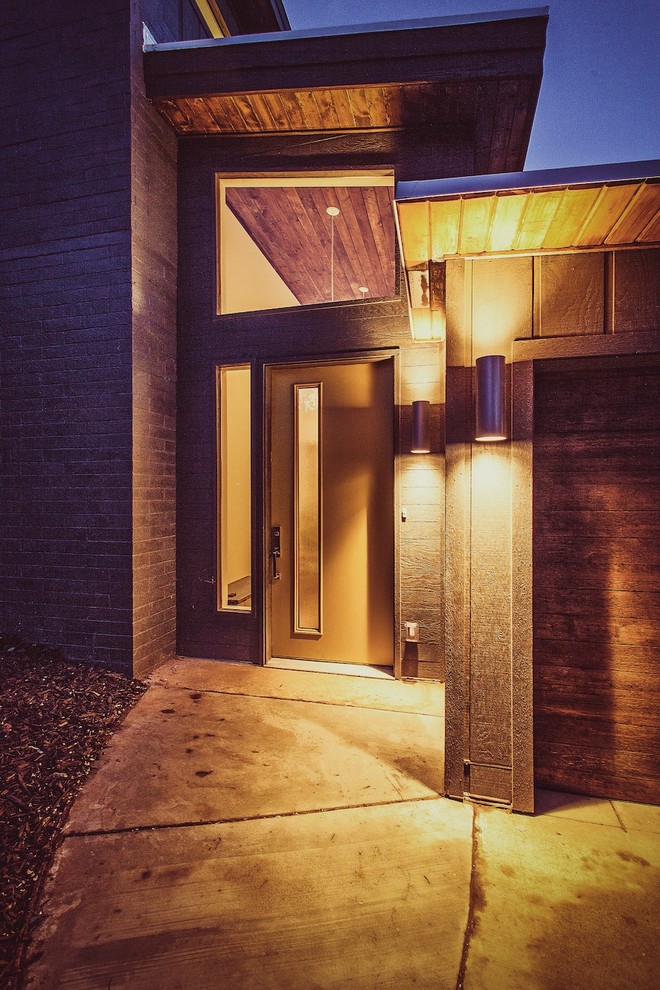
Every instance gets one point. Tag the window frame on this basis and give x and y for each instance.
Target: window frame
(384, 177)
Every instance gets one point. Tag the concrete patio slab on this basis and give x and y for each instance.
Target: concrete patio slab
(560, 903)
(420, 697)
(576, 807)
(638, 817)
(200, 856)
(186, 756)
(346, 900)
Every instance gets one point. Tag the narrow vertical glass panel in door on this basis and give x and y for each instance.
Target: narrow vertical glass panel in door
(235, 489)
(307, 509)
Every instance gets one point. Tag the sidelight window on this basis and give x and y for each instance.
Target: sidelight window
(234, 489)
(307, 511)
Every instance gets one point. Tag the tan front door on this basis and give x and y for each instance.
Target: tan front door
(331, 512)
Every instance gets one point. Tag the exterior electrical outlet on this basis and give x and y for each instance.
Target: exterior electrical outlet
(412, 632)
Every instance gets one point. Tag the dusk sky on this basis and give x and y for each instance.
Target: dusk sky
(600, 98)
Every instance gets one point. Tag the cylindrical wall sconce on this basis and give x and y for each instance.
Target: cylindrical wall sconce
(421, 427)
(491, 398)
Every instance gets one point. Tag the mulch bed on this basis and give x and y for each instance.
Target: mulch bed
(55, 719)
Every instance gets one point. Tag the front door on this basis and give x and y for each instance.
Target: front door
(331, 552)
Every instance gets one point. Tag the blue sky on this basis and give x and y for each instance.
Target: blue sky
(600, 98)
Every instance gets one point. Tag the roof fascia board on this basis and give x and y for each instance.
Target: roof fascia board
(436, 51)
(389, 27)
(483, 185)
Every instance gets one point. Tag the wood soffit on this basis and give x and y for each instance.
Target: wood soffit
(477, 78)
(596, 216)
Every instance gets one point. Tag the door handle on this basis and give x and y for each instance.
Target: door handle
(275, 550)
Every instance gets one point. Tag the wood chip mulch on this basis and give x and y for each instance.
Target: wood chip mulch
(55, 719)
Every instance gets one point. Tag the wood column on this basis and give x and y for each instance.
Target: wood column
(488, 615)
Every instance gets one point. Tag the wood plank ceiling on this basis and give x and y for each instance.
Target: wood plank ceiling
(292, 228)
(599, 216)
(495, 112)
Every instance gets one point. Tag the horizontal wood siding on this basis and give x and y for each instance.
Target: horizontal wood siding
(596, 579)
(422, 532)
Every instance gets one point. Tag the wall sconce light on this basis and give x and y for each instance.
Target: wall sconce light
(491, 398)
(421, 427)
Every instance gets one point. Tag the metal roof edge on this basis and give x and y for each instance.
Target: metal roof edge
(281, 14)
(354, 29)
(543, 178)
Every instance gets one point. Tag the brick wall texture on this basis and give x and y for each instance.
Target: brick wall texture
(154, 268)
(87, 277)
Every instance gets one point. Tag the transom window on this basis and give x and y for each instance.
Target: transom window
(304, 240)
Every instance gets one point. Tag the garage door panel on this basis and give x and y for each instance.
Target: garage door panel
(625, 697)
(598, 572)
(587, 629)
(614, 785)
(573, 653)
(562, 494)
(599, 733)
(597, 451)
(602, 760)
(552, 600)
(597, 579)
(615, 405)
(599, 523)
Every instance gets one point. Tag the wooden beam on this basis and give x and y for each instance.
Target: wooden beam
(587, 346)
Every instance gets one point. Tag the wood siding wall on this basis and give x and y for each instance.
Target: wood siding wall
(488, 506)
(65, 366)
(422, 496)
(566, 295)
(596, 589)
(207, 340)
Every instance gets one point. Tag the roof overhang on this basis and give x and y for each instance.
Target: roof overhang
(596, 208)
(479, 74)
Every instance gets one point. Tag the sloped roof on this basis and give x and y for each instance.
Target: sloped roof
(602, 206)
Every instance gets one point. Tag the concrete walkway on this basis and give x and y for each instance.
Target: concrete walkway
(262, 828)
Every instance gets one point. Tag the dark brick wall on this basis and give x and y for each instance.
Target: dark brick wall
(87, 372)
(65, 371)
(154, 259)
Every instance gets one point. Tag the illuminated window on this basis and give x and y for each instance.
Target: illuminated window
(304, 240)
(307, 510)
(234, 489)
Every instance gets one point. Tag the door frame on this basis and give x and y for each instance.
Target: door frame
(351, 357)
